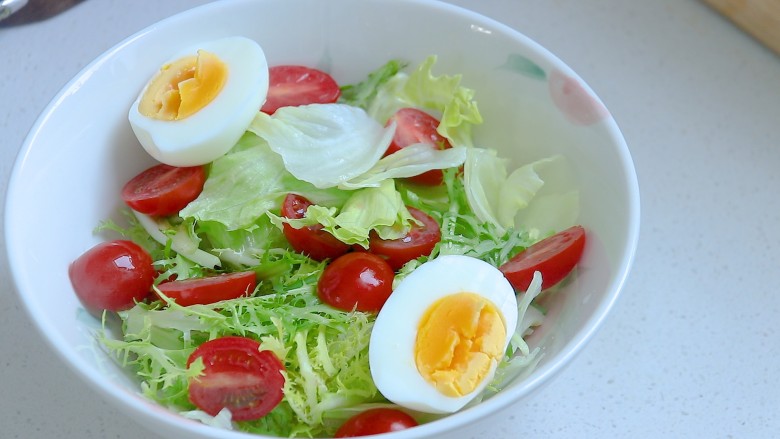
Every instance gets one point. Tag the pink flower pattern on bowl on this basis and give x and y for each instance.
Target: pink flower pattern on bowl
(567, 93)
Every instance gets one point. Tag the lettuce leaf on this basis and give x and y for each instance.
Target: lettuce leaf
(380, 209)
(324, 144)
(362, 93)
(408, 161)
(248, 182)
(462, 231)
(503, 200)
(443, 95)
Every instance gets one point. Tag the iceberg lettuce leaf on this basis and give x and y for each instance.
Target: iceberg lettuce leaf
(484, 174)
(324, 144)
(245, 184)
(407, 162)
(512, 201)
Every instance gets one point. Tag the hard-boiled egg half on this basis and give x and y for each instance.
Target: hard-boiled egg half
(438, 339)
(201, 102)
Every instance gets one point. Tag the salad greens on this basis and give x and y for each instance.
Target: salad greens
(332, 155)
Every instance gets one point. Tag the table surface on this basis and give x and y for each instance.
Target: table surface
(692, 348)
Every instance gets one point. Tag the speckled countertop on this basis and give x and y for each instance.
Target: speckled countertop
(692, 348)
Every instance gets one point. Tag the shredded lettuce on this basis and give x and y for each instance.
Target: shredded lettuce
(364, 92)
(463, 232)
(521, 358)
(180, 237)
(324, 350)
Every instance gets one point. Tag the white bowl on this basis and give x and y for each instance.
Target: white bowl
(81, 151)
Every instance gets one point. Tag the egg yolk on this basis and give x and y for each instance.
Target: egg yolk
(184, 87)
(458, 340)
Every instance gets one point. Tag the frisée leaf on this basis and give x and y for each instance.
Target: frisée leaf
(324, 350)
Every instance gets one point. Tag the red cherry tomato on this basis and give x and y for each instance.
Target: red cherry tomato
(418, 242)
(112, 276)
(205, 290)
(376, 421)
(237, 375)
(312, 240)
(359, 280)
(164, 190)
(555, 257)
(416, 126)
(299, 85)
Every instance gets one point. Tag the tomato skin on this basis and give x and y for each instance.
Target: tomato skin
(236, 375)
(358, 280)
(418, 242)
(416, 126)
(312, 240)
(211, 289)
(292, 85)
(112, 276)
(164, 190)
(376, 421)
(555, 257)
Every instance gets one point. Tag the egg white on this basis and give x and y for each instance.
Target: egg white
(214, 129)
(392, 344)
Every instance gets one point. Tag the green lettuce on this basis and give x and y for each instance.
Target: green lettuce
(324, 350)
(324, 144)
(440, 94)
(378, 209)
(508, 201)
(409, 161)
(463, 232)
(248, 182)
(364, 92)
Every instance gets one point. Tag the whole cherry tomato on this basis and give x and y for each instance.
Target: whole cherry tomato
(112, 276)
(358, 280)
(376, 421)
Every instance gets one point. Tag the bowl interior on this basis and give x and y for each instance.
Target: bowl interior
(82, 150)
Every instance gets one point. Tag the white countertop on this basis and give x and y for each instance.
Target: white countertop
(692, 348)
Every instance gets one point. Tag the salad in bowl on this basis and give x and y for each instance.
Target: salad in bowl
(339, 246)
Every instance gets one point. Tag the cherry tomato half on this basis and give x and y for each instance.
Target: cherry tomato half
(237, 375)
(418, 242)
(298, 85)
(112, 276)
(358, 280)
(416, 126)
(312, 240)
(555, 257)
(211, 289)
(376, 421)
(164, 190)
